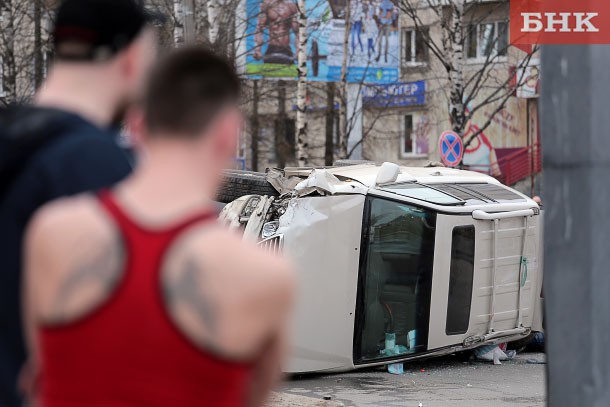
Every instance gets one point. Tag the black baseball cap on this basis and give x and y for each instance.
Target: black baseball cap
(96, 30)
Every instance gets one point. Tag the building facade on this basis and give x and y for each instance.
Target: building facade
(402, 122)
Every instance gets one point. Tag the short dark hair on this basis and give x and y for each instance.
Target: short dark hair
(187, 90)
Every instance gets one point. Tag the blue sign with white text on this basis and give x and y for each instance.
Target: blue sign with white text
(395, 95)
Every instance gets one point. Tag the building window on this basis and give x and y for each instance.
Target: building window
(408, 137)
(487, 40)
(461, 273)
(285, 140)
(415, 47)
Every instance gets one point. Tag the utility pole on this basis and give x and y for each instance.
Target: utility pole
(574, 100)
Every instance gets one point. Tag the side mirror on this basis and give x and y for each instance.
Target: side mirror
(388, 173)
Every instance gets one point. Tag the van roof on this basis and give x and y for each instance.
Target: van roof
(367, 174)
(434, 185)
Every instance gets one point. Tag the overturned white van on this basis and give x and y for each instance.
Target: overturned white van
(397, 263)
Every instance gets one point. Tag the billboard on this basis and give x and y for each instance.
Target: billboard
(507, 133)
(401, 94)
(373, 49)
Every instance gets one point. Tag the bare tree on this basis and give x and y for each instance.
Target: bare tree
(301, 123)
(472, 86)
(23, 48)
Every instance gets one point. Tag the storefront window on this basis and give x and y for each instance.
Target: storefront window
(395, 281)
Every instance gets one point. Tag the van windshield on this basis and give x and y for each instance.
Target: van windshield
(394, 288)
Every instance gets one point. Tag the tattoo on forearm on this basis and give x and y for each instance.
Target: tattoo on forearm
(185, 289)
(102, 270)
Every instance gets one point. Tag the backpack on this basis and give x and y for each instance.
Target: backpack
(25, 130)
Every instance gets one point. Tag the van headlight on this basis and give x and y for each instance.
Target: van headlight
(250, 207)
(269, 229)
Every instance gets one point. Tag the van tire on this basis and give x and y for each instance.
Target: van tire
(239, 183)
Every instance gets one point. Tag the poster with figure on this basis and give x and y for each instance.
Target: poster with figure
(373, 51)
(506, 134)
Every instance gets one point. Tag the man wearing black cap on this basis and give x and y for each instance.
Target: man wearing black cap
(103, 50)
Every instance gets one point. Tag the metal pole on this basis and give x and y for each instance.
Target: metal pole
(354, 114)
(574, 113)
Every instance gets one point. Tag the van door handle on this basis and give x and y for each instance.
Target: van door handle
(482, 215)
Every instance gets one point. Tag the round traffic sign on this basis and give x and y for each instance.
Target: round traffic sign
(451, 149)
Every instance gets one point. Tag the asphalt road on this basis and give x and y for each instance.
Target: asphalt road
(452, 381)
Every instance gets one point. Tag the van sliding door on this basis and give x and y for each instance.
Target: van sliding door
(451, 309)
(484, 280)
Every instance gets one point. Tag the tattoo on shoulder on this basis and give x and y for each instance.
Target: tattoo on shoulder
(101, 271)
(184, 289)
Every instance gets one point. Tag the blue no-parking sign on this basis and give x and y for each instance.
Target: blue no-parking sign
(451, 149)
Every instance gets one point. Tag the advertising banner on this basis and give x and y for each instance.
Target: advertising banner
(373, 48)
(506, 134)
(401, 94)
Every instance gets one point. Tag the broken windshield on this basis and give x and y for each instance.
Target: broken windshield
(395, 281)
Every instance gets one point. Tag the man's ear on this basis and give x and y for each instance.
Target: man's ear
(224, 135)
(128, 61)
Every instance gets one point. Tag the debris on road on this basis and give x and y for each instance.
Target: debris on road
(396, 368)
(493, 353)
(292, 400)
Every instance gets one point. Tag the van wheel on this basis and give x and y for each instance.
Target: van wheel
(239, 183)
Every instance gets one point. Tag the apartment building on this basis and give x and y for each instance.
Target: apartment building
(402, 122)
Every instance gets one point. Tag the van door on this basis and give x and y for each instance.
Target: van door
(485, 277)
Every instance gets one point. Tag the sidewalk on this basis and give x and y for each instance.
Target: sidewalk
(291, 400)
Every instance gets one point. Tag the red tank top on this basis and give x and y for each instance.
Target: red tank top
(128, 352)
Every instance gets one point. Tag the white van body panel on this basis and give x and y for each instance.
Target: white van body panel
(321, 231)
(322, 238)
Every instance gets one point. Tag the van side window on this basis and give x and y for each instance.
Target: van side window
(460, 280)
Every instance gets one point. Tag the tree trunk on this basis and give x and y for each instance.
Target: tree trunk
(457, 109)
(301, 123)
(254, 126)
(202, 26)
(343, 136)
(329, 151)
(282, 148)
(9, 57)
(38, 58)
(213, 20)
(179, 34)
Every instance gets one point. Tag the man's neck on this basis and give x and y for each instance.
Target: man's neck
(90, 96)
(168, 183)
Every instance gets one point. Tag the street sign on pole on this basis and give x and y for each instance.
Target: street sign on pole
(451, 149)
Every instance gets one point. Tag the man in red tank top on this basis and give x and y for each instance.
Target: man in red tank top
(136, 297)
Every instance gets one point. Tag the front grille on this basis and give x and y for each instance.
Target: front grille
(273, 244)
